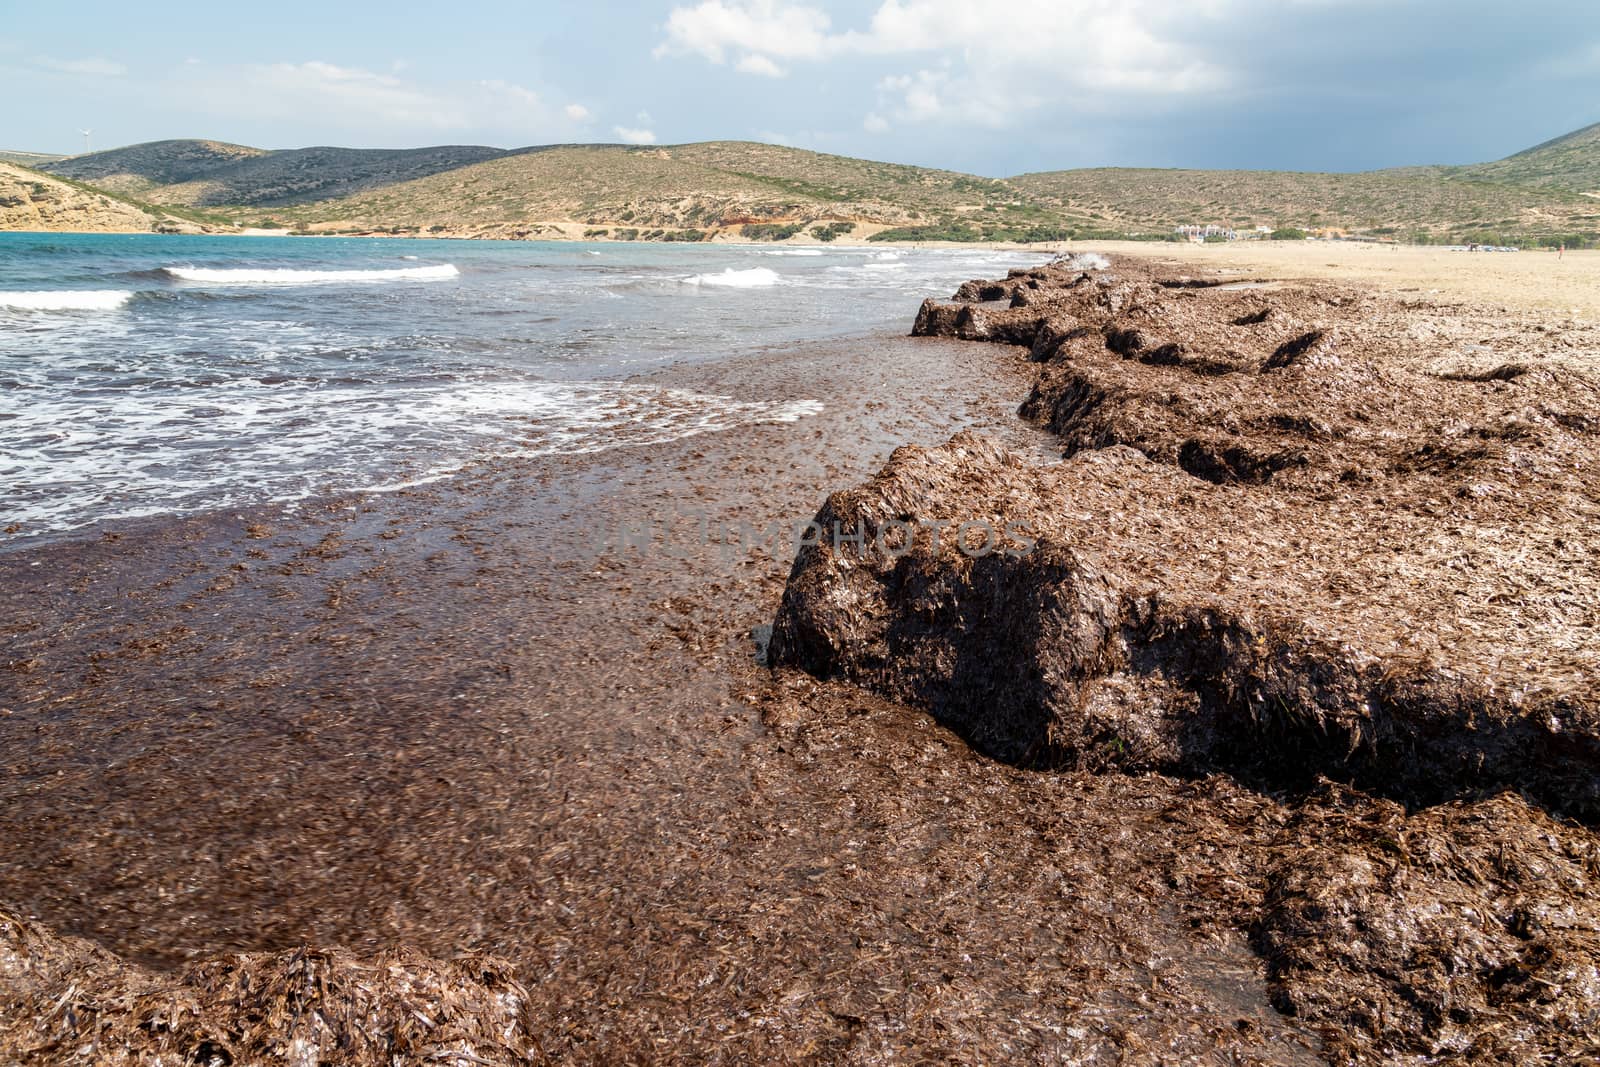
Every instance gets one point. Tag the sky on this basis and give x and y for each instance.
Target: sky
(989, 88)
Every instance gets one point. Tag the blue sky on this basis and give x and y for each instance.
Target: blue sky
(991, 88)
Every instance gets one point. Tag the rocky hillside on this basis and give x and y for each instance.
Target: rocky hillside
(28, 159)
(143, 169)
(691, 191)
(1419, 202)
(674, 188)
(31, 201)
(486, 191)
(1571, 162)
(208, 173)
(719, 184)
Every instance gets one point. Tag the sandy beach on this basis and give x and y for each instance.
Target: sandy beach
(524, 713)
(1533, 279)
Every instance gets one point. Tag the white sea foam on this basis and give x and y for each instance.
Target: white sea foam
(66, 300)
(1086, 261)
(284, 392)
(793, 411)
(162, 453)
(277, 276)
(755, 278)
(794, 252)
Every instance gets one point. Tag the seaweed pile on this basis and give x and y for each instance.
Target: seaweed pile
(1287, 659)
(1294, 540)
(65, 1000)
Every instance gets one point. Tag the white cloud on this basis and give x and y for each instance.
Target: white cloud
(381, 106)
(919, 93)
(875, 123)
(973, 65)
(1126, 45)
(93, 66)
(629, 135)
(762, 27)
(799, 139)
(578, 113)
(759, 64)
(353, 93)
(515, 93)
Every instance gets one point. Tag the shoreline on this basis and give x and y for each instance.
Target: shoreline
(1529, 280)
(721, 240)
(454, 719)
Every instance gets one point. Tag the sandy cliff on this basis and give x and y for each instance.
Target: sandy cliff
(33, 201)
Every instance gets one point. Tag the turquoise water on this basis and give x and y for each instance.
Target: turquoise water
(146, 375)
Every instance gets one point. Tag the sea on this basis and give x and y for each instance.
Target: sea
(145, 375)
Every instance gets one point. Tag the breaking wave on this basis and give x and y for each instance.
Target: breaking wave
(755, 278)
(66, 300)
(165, 454)
(275, 276)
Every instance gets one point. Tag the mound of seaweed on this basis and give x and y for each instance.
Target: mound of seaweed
(1277, 547)
(1469, 931)
(1299, 534)
(64, 1000)
(1114, 611)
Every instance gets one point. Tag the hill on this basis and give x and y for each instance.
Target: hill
(671, 188)
(842, 179)
(691, 191)
(628, 191)
(143, 168)
(1570, 162)
(32, 201)
(28, 159)
(211, 173)
(1419, 203)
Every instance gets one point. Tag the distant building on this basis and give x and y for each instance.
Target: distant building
(1200, 233)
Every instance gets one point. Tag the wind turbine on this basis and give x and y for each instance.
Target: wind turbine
(86, 134)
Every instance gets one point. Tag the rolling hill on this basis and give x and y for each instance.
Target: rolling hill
(694, 191)
(153, 166)
(28, 159)
(213, 173)
(1570, 162)
(678, 188)
(1413, 203)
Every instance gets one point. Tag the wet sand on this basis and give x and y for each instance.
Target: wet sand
(468, 718)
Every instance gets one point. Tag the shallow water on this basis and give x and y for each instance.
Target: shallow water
(145, 375)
